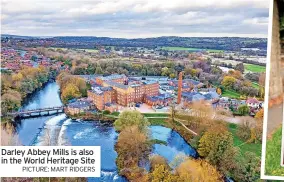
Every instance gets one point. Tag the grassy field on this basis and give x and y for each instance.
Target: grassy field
(155, 114)
(244, 147)
(158, 122)
(231, 94)
(254, 68)
(273, 155)
(188, 49)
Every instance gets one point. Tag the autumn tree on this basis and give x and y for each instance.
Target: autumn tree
(198, 170)
(11, 100)
(219, 91)
(214, 143)
(70, 92)
(162, 173)
(132, 147)
(8, 135)
(156, 160)
(228, 82)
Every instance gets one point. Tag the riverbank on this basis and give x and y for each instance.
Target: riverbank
(25, 99)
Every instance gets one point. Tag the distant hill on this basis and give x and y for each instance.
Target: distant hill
(18, 36)
(221, 43)
(89, 42)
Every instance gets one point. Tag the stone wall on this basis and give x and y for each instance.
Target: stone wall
(275, 84)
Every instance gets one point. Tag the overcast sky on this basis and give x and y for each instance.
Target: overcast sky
(135, 19)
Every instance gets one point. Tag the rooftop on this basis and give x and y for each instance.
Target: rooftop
(112, 77)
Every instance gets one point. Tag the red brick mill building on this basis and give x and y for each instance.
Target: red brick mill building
(114, 90)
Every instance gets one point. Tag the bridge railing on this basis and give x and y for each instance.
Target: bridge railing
(36, 110)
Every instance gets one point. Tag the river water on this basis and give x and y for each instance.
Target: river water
(64, 131)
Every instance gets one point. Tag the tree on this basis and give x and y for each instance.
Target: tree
(162, 173)
(228, 82)
(156, 160)
(99, 70)
(246, 130)
(243, 110)
(71, 91)
(240, 67)
(132, 147)
(248, 168)
(259, 114)
(11, 100)
(219, 91)
(214, 143)
(8, 136)
(198, 170)
(131, 118)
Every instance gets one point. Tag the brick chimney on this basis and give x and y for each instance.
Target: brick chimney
(179, 87)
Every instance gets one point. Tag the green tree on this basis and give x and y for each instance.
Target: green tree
(243, 110)
(131, 118)
(248, 168)
(99, 70)
(214, 143)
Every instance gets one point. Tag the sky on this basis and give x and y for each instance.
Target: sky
(135, 18)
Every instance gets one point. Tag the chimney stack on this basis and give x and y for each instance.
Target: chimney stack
(179, 87)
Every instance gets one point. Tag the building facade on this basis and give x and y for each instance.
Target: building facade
(115, 89)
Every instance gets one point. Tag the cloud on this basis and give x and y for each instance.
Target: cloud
(140, 18)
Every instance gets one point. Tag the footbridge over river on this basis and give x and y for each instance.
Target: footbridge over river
(37, 112)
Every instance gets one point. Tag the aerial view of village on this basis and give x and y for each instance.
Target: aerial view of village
(162, 108)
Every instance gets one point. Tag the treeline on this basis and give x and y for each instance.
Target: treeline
(71, 86)
(16, 86)
(234, 80)
(220, 43)
(134, 147)
(198, 68)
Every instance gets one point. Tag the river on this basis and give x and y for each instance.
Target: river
(64, 131)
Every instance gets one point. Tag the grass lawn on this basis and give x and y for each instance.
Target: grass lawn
(244, 147)
(155, 114)
(158, 122)
(188, 49)
(273, 155)
(231, 94)
(254, 68)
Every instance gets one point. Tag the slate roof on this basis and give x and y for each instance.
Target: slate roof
(119, 85)
(161, 97)
(79, 104)
(112, 77)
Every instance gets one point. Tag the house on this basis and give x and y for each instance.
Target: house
(253, 103)
(78, 107)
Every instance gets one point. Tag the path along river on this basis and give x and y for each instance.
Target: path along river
(64, 131)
